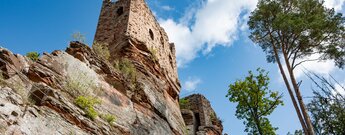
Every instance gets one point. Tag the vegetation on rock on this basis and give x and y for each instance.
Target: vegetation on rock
(34, 56)
(77, 36)
(87, 104)
(127, 68)
(79, 84)
(184, 103)
(214, 118)
(153, 54)
(101, 49)
(109, 118)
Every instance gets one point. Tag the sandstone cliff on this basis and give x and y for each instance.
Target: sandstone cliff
(127, 83)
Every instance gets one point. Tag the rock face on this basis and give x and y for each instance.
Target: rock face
(199, 116)
(137, 84)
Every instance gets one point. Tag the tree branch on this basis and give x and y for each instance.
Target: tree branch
(301, 62)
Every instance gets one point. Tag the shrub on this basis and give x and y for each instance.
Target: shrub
(79, 84)
(213, 116)
(77, 36)
(153, 54)
(2, 79)
(87, 104)
(101, 49)
(183, 103)
(34, 56)
(109, 118)
(215, 119)
(127, 68)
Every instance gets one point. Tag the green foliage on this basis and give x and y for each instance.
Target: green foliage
(78, 83)
(88, 104)
(298, 29)
(2, 79)
(109, 118)
(255, 102)
(214, 118)
(101, 49)
(184, 103)
(297, 132)
(153, 54)
(34, 56)
(127, 68)
(78, 37)
(327, 107)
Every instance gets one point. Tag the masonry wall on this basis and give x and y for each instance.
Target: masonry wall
(144, 27)
(113, 24)
(137, 23)
(201, 117)
(201, 106)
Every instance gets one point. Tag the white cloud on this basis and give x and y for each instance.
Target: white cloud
(167, 8)
(191, 84)
(340, 88)
(216, 22)
(336, 4)
(319, 67)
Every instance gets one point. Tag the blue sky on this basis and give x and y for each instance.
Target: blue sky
(211, 36)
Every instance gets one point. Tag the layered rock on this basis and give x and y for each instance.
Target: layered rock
(137, 83)
(45, 88)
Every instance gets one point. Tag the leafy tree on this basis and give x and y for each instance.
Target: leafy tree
(290, 31)
(78, 37)
(255, 102)
(327, 107)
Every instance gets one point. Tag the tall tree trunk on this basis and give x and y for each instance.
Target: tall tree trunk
(299, 96)
(257, 121)
(298, 111)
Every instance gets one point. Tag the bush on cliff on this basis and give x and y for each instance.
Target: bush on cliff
(184, 103)
(109, 118)
(127, 68)
(87, 104)
(34, 56)
(101, 49)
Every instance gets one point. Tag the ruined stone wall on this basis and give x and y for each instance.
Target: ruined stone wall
(203, 119)
(137, 23)
(200, 105)
(144, 27)
(136, 36)
(113, 24)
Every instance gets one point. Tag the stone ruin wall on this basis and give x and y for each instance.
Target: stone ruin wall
(112, 24)
(144, 27)
(137, 22)
(199, 104)
(197, 116)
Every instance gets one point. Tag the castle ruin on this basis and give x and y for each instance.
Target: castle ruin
(131, 22)
(199, 116)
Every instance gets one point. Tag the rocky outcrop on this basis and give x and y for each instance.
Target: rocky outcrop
(199, 117)
(45, 90)
(39, 97)
(134, 90)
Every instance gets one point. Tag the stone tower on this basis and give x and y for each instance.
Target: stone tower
(130, 30)
(131, 22)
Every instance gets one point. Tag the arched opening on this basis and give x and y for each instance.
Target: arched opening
(151, 34)
(119, 11)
